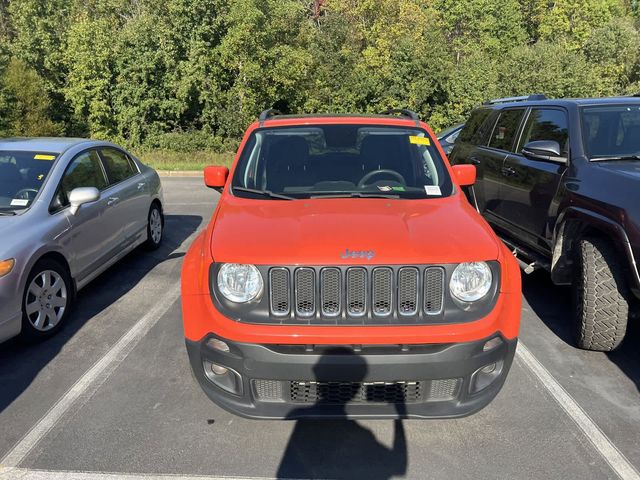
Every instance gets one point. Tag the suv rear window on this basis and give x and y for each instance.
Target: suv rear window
(342, 160)
(506, 129)
(475, 130)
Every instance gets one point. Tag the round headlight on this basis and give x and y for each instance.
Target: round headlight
(239, 283)
(471, 281)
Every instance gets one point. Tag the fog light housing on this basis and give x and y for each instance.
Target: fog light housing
(223, 377)
(218, 369)
(485, 376)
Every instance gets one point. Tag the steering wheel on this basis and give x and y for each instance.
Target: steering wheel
(24, 194)
(363, 181)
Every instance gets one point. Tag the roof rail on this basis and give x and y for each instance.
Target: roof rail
(267, 114)
(404, 112)
(524, 98)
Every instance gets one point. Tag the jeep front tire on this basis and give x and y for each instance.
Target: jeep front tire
(600, 296)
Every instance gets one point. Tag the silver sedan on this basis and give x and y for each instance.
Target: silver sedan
(69, 209)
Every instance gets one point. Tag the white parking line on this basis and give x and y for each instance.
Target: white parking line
(91, 380)
(27, 474)
(614, 457)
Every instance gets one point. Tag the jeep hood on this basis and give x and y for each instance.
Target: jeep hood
(319, 231)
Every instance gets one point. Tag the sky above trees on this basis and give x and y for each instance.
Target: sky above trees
(136, 70)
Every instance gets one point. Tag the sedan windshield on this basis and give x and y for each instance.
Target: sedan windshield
(611, 132)
(22, 174)
(333, 161)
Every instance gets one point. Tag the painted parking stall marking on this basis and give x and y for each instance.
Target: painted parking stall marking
(92, 379)
(616, 460)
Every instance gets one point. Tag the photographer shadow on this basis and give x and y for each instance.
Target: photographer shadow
(338, 448)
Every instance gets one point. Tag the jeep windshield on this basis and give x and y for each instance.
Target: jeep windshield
(335, 161)
(22, 174)
(611, 132)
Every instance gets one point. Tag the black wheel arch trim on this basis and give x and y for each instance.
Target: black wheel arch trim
(601, 223)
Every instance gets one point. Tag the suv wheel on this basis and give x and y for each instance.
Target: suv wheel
(46, 301)
(600, 296)
(155, 228)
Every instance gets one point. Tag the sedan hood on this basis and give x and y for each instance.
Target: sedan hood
(350, 231)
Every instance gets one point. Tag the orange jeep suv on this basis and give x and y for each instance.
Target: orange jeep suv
(345, 274)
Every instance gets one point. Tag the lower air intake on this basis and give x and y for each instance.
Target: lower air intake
(356, 392)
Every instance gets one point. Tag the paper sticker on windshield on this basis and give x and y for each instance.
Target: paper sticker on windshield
(432, 190)
(419, 140)
(384, 188)
(19, 202)
(40, 156)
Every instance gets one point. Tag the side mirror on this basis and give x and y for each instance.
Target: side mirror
(465, 174)
(216, 177)
(81, 195)
(546, 150)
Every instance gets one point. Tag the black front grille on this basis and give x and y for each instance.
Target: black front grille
(305, 294)
(336, 393)
(357, 294)
(359, 392)
(356, 291)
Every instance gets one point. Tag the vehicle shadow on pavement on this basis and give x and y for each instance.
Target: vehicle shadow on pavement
(21, 362)
(553, 305)
(340, 449)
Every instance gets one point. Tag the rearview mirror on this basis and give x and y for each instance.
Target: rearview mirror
(216, 177)
(465, 174)
(547, 150)
(81, 195)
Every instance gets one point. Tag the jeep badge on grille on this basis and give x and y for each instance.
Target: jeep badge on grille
(368, 254)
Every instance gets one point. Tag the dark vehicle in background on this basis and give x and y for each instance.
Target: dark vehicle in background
(447, 137)
(559, 180)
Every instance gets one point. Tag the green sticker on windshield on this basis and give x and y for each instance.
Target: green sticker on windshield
(398, 189)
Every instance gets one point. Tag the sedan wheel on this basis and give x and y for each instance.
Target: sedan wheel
(47, 299)
(154, 228)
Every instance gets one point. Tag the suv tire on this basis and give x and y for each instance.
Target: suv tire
(600, 296)
(47, 300)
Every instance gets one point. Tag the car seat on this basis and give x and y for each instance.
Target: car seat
(287, 162)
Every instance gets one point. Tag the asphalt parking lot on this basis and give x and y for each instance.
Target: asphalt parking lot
(112, 395)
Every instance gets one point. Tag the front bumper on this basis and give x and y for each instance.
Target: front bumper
(352, 381)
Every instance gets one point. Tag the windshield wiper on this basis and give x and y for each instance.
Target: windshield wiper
(7, 213)
(356, 195)
(264, 193)
(614, 158)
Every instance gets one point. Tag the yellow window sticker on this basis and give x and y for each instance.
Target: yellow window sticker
(419, 140)
(40, 156)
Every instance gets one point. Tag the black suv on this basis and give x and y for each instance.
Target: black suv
(559, 180)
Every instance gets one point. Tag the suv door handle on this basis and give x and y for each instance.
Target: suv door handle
(508, 171)
(112, 201)
(475, 161)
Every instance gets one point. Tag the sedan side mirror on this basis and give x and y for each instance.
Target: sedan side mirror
(546, 150)
(465, 174)
(216, 177)
(81, 195)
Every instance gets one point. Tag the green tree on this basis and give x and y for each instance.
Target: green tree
(24, 105)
